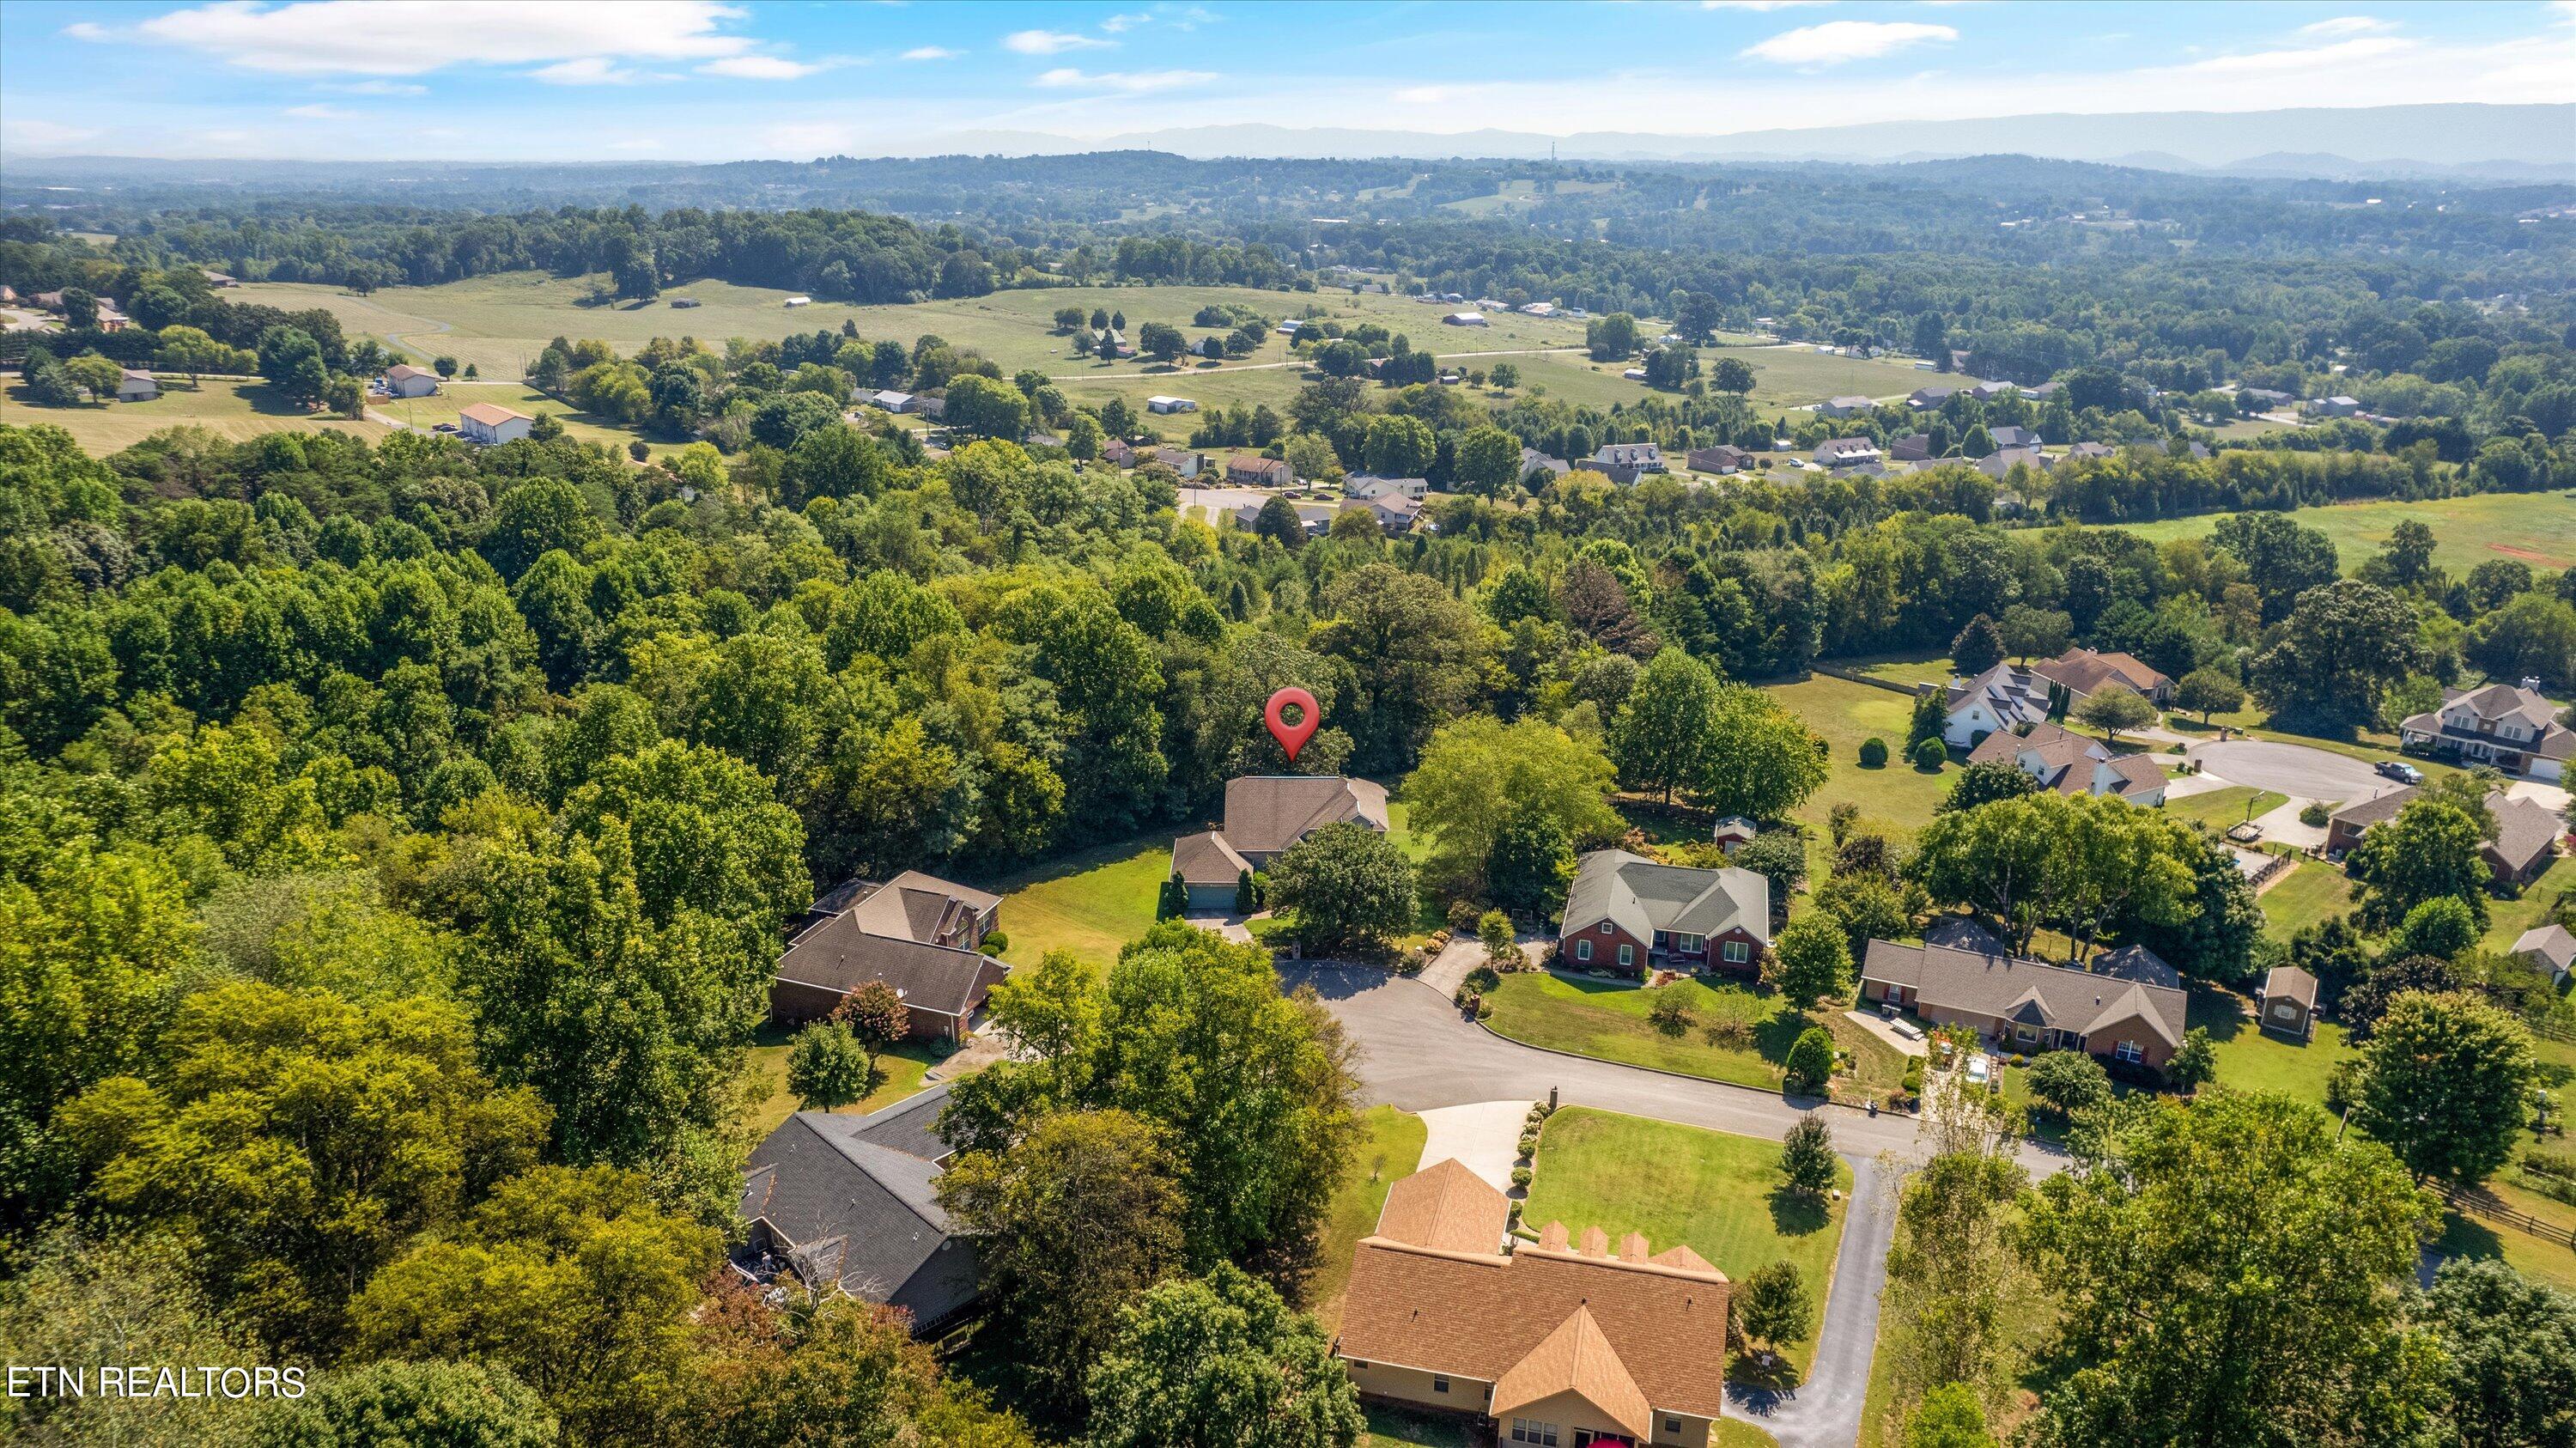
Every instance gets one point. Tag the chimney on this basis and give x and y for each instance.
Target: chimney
(2531, 683)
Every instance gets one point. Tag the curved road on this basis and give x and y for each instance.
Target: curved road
(1418, 1053)
(2291, 769)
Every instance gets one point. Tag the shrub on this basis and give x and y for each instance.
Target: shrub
(1521, 1176)
(1671, 1016)
(1811, 1061)
(1529, 1143)
(1873, 753)
(1484, 1009)
(2314, 815)
(1483, 979)
(995, 942)
(1728, 1033)
(1931, 754)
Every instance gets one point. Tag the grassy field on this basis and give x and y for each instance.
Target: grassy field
(1680, 1185)
(2311, 892)
(2222, 808)
(2507, 919)
(1090, 903)
(2249, 1060)
(1390, 1147)
(1607, 1020)
(902, 1068)
(1895, 800)
(2536, 1257)
(231, 410)
(2539, 529)
(580, 426)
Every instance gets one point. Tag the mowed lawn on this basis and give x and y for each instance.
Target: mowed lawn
(1607, 1020)
(1388, 1150)
(2464, 1235)
(233, 410)
(1682, 1186)
(901, 1071)
(2312, 892)
(2222, 809)
(2251, 1060)
(1091, 903)
(2537, 528)
(1896, 799)
(580, 426)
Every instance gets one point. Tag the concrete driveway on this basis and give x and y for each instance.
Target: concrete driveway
(1485, 1138)
(2296, 770)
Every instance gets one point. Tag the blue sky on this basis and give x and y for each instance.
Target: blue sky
(688, 80)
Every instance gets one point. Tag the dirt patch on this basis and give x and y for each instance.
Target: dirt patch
(2527, 555)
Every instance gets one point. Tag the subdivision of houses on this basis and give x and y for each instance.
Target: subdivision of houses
(2509, 726)
(851, 1204)
(1563, 1341)
(2127, 1007)
(1264, 815)
(2071, 763)
(917, 933)
(1632, 913)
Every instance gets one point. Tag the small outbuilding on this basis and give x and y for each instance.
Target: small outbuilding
(137, 386)
(2289, 1002)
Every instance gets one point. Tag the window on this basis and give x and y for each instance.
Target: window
(2026, 1033)
(1627, 953)
(2128, 1051)
(1607, 927)
(1662, 940)
(1530, 1430)
(2284, 1011)
(1672, 1425)
(1583, 950)
(1738, 952)
(1439, 1384)
(1690, 945)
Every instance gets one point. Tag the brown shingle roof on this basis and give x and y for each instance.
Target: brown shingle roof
(491, 414)
(1266, 813)
(2289, 983)
(2083, 671)
(1999, 986)
(1576, 1358)
(1445, 1206)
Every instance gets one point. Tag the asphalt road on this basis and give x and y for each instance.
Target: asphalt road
(1417, 1053)
(2292, 769)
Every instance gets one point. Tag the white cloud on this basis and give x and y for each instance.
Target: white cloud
(1049, 42)
(2348, 25)
(760, 67)
(378, 88)
(86, 30)
(932, 52)
(2265, 62)
(43, 135)
(320, 113)
(589, 70)
(414, 37)
(1837, 41)
(1118, 24)
(1132, 82)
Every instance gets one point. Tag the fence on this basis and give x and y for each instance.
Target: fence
(2494, 1211)
(1853, 676)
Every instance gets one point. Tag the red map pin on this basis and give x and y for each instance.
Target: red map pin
(1291, 737)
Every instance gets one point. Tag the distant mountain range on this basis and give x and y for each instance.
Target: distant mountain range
(2519, 143)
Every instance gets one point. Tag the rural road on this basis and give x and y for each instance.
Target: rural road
(1418, 1054)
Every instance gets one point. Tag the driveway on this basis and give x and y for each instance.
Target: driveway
(1485, 1138)
(2296, 770)
(1824, 1412)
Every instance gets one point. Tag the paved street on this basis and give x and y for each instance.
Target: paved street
(2292, 769)
(1419, 1054)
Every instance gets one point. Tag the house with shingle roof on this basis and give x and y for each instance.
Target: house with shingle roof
(2071, 763)
(1844, 406)
(2525, 842)
(2001, 700)
(490, 422)
(1635, 913)
(1264, 815)
(2289, 1002)
(2082, 672)
(1848, 452)
(1566, 1340)
(2550, 948)
(1625, 462)
(851, 1204)
(917, 933)
(2129, 1007)
(2510, 727)
(404, 380)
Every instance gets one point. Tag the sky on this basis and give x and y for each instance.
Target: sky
(527, 80)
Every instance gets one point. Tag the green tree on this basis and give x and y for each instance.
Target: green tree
(1811, 1061)
(1984, 784)
(2067, 1083)
(301, 1141)
(2161, 1341)
(1774, 1307)
(2115, 707)
(1807, 1161)
(1612, 337)
(1949, 1417)
(1223, 1349)
(2510, 1345)
(1400, 446)
(1530, 865)
(1732, 374)
(2196, 1064)
(77, 1299)
(2441, 927)
(2210, 689)
(2340, 648)
(986, 407)
(1072, 1222)
(573, 1282)
(1811, 958)
(1494, 934)
(1978, 647)
(534, 518)
(1489, 461)
(2446, 1081)
(1930, 720)
(876, 1015)
(1762, 760)
(446, 1404)
(1663, 734)
(2430, 851)
(94, 375)
(1479, 775)
(1670, 1015)
(828, 1067)
(1344, 887)
(292, 363)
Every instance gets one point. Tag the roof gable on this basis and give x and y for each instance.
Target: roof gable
(1576, 1358)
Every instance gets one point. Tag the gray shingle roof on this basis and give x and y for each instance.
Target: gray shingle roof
(1266, 813)
(853, 1201)
(2008, 987)
(1641, 897)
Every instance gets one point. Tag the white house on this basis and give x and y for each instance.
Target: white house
(1170, 404)
(488, 422)
(2514, 729)
(1465, 319)
(137, 387)
(1365, 486)
(890, 401)
(404, 380)
(2071, 763)
(1848, 452)
(1999, 699)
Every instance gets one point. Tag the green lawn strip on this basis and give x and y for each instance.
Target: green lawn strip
(1736, 1433)
(1090, 903)
(1680, 1185)
(2508, 919)
(2465, 1235)
(2538, 529)
(2310, 893)
(2250, 1059)
(902, 1069)
(2221, 809)
(1607, 1020)
(1389, 1148)
(1393, 1427)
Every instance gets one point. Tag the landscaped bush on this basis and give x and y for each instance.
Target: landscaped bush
(1482, 979)
(1931, 754)
(1529, 1143)
(1811, 1061)
(995, 942)
(1484, 1008)
(1873, 753)
(2314, 816)
(1521, 1176)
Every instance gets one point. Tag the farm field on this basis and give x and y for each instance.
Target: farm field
(2537, 528)
(1680, 1185)
(235, 411)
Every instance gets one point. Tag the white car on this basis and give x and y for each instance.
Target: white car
(1981, 1069)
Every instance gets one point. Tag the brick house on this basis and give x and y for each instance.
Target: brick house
(1627, 911)
(2128, 1006)
(920, 934)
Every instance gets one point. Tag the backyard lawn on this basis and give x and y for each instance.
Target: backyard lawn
(1607, 1019)
(2249, 1060)
(2221, 809)
(2551, 1262)
(1680, 1185)
(2310, 893)
(1388, 1150)
(1091, 903)
(902, 1069)
(1896, 799)
(2508, 919)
